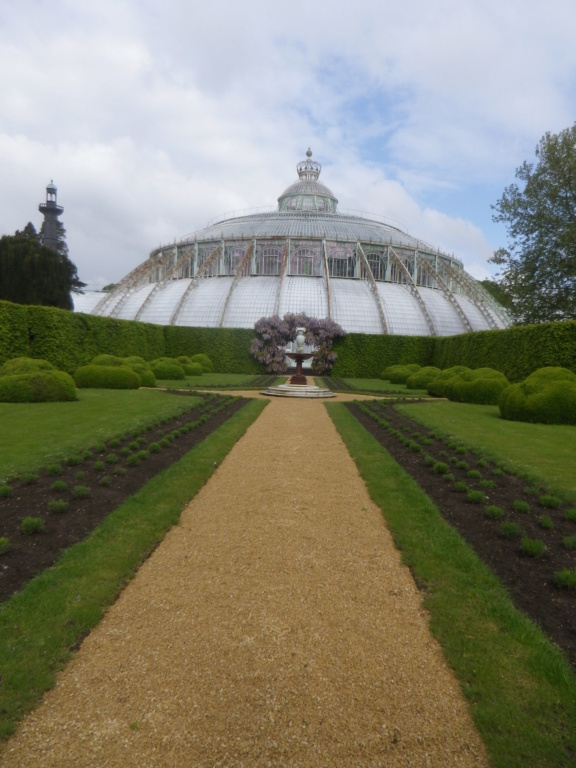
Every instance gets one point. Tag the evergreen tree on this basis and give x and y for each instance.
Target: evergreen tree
(31, 273)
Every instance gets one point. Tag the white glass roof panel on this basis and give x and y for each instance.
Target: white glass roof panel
(402, 311)
(474, 315)
(354, 306)
(204, 304)
(444, 315)
(251, 299)
(161, 306)
(304, 294)
(85, 302)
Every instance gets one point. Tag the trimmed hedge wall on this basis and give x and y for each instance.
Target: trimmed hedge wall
(69, 340)
(516, 352)
(366, 356)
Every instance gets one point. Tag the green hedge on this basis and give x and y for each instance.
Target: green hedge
(516, 351)
(366, 356)
(69, 340)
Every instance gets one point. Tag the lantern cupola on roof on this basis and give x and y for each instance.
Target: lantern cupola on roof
(308, 194)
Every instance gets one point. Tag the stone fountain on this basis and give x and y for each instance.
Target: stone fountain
(298, 385)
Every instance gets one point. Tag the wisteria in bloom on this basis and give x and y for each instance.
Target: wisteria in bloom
(274, 333)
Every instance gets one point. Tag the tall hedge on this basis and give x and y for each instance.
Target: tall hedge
(69, 340)
(516, 351)
(366, 356)
(228, 348)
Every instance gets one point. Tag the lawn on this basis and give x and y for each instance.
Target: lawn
(543, 452)
(36, 433)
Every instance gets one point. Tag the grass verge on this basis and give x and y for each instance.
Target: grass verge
(520, 688)
(42, 625)
(542, 452)
(43, 432)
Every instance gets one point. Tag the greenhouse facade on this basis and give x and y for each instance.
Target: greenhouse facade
(303, 257)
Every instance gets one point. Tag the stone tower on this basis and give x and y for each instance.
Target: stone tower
(50, 232)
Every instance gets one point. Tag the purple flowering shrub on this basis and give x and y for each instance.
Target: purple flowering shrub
(274, 333)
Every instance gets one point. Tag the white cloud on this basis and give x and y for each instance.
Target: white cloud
(153, 118)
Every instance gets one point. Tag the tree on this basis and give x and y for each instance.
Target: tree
(539, 265)
(31, 273)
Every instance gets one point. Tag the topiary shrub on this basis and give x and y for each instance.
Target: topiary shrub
(398, 374)
(423, 377)
(193, 369)
(437, 386)
(107, 360)
(205, 362)
(167, 368)
(47, 386)
(144, 371)
(547, 396)
(183, 360)
(482, 386)
(25, 365)
(106, 377)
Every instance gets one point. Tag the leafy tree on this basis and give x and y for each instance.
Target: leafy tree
(539, 266)
(499, 292)
(31, 273)
(274, 333)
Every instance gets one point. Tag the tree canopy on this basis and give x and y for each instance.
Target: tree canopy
(539, 265)
(31, 273)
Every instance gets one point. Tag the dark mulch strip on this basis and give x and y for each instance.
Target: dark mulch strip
(529, 581)
(30, 555)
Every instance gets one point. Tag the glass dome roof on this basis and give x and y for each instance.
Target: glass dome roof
(305, 256)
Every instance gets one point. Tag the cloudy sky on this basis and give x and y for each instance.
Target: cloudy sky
(152, 118)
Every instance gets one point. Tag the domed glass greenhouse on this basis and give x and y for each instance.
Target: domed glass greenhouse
(303, 257)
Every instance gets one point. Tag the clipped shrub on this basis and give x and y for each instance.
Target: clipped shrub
(107, 360)
(193, 369)
(142, 369)
(570, 515)
(134, 360)
(20, 365)
(4, 545)
(106, 377)
(167, 369)
(105, 481)
(437, 386)
(29, 478)
(398, 374)
(422, 377)
(569, 542)
(47, 386)
(482, 386)
(54, 469)
(205, 362)
(59, 485)
(440, 468)
(547, 396)
(31, 525)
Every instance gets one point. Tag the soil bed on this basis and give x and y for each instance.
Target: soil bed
(29, 555)
(529, 580)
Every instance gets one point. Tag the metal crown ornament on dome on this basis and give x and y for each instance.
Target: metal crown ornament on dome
(308, 170)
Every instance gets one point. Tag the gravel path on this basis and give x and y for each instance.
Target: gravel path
(274, 626)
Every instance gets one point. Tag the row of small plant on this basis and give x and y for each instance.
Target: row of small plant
(131, 449)
(529, 547)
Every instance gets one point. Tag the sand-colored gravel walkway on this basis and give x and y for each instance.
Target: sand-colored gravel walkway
(275, 626)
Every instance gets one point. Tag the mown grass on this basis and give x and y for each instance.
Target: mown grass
(542, 452)
(41, 625)
(520, 688)
(34, 434)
